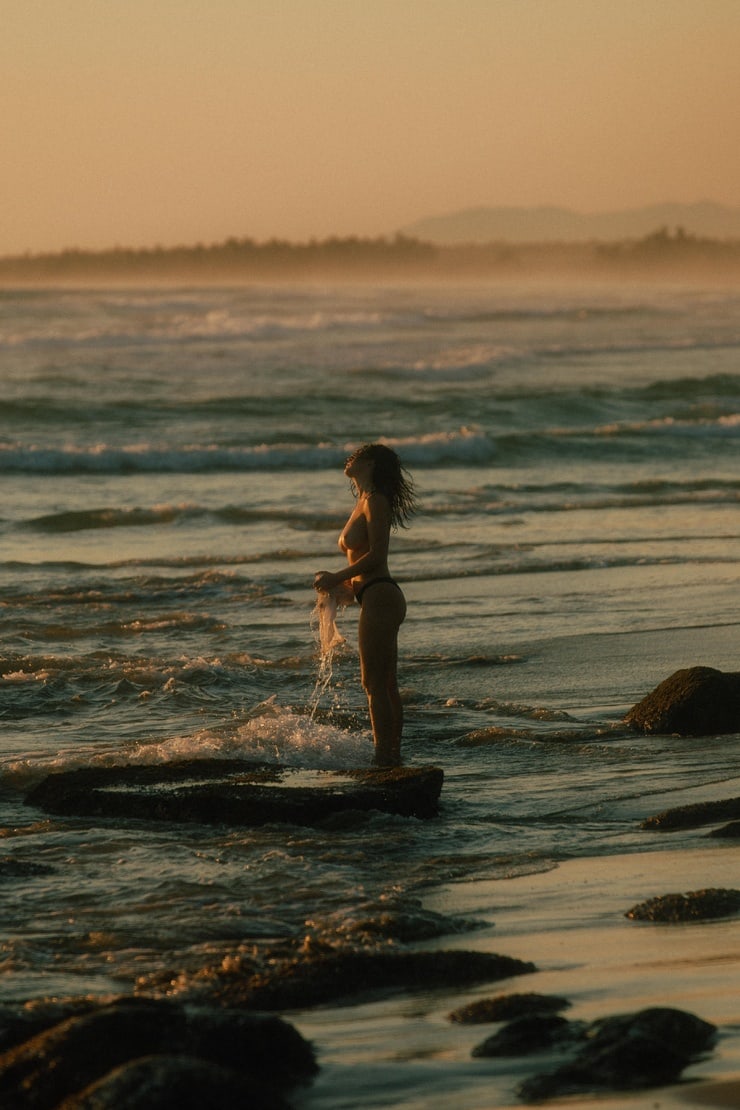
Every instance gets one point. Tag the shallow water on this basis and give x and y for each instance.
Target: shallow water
(171, 464)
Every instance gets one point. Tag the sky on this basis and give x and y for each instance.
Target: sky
(168, 122)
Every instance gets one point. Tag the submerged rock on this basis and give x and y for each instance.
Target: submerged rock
(727, 832)
(523, 1035)
(11, 868)
(334, 976)
(369, 925)
(626, 1053)
(174, 1083)
(694, 815)
(697, 905)
(77, 1053)
(504, 1007)
(234, 792)
(697, 701)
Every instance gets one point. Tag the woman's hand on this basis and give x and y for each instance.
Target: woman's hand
(324, 581)
(339, 588)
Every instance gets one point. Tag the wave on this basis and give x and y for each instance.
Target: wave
(272, 735)
(700, 425)
(189, 324)
(79, 520)
(574, 311)
(467, 446)
(659, 437)
(504, 499)
(671, 345)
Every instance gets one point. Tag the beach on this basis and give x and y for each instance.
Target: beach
(172, 471)
(570, 921)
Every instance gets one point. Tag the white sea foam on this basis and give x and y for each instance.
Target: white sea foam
(278, 735)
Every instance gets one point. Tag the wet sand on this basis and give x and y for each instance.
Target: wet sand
(570, 922)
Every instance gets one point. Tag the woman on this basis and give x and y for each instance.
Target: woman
(385, 499)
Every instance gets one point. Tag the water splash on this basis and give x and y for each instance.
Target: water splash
(328, 638)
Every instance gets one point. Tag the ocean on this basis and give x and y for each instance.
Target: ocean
(171, 464)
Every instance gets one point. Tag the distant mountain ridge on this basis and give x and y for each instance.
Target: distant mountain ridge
(553, 224)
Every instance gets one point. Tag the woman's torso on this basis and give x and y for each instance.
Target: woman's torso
(354, 541)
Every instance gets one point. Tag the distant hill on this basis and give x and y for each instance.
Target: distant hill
(551, 224)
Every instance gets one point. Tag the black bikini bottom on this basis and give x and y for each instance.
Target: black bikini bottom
(360, 590)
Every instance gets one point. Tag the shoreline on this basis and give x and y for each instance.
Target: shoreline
(585, 950)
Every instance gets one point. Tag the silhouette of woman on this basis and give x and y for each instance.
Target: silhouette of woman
(385, 499)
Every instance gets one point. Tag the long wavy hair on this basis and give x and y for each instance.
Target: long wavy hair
(392, 480)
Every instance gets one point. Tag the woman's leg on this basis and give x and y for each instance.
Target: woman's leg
(383, 610)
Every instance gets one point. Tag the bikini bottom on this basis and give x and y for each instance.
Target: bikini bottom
(359, 591)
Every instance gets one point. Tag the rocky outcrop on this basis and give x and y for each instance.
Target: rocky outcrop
(140, 1049)
(697, 701)
(697, 905)
(222, 1048)
(312, 979)
(694, 816)
(625, 1053)
(237, 793)
(525, 1035)
(173, 1083)
(505, 1007)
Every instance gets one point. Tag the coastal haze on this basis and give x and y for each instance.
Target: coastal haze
(143, 124)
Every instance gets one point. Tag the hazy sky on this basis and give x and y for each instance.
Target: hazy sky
(136, 122)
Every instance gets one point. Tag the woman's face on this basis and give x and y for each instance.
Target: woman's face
(360, 468)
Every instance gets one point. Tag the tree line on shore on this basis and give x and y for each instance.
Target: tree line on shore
(246, 259)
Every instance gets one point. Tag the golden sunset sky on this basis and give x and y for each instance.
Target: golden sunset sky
(143, 122)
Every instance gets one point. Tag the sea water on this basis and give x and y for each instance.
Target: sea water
(172, 462)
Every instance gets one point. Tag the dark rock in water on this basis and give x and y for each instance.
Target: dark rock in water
(69, 1057)
(697, 701)
(688, 1034)
(694, 815)
(626, 1053)
(697, 905)
(727, 832)
(312, 980)
(174, 1083)
(21, 1022)
(370, 924)
(504, 1007)
(526, 1034)
(11, 868)
(233, 792)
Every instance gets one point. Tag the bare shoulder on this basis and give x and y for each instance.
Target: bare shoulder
(377, 505)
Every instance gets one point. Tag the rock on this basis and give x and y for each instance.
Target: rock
(626, 1052)
(173, 1083)
(234, 792)
(694, 815)
(370, 924)
(526, 1034)
(11, 868)
(697, 905)
(504, 1007)
(697, 701)
(334, 976)
(77, 1053)
(727, 832)
(21, 1022)
(685, 1032)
